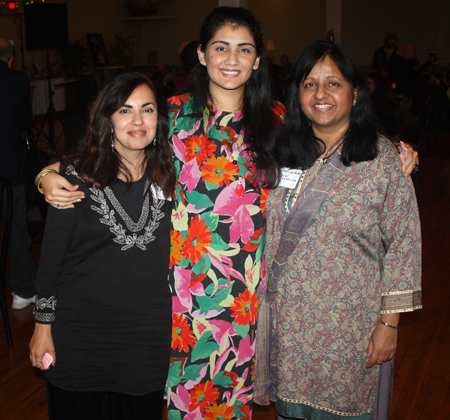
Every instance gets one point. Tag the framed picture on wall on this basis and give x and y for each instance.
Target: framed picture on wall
(97, 46)
(433, 56)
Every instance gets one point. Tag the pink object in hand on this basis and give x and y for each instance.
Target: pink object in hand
(47, 360)
(404, 149)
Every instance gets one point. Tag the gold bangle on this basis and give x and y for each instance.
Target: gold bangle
(40, 175)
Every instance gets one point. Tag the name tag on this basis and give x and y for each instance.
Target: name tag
(289, 177)
(158, 193)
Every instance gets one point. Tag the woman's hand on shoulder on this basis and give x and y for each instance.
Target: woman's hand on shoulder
(41, 343)
(59, 192)
(410, 158)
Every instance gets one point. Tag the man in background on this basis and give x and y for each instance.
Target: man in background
(15, 114)
(384, 56)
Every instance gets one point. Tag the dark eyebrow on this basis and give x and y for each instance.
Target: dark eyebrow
(327, 77)
(227, 43)
(142, 106)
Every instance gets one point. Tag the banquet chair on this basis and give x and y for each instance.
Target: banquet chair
(5, 194)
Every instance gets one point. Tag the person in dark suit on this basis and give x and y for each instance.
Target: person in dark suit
(15, 114)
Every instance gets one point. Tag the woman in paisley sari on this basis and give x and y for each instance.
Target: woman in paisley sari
(343, 252)
(103, 312)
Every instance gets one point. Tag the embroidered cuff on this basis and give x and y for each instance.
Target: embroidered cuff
(406, 301)
(44, 310)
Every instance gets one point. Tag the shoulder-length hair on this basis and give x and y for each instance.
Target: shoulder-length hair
(259, 120)
(95, 160)
(297, 146)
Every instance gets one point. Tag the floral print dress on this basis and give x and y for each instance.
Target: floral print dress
(216, 259)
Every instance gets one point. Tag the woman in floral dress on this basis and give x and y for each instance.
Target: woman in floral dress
(218, 221)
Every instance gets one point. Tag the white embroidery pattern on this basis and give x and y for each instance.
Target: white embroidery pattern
(108, 216)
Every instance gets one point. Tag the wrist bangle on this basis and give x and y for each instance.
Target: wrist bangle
(389, 325)
(40, 175)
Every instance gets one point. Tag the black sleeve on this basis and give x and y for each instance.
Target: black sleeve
(59, 231)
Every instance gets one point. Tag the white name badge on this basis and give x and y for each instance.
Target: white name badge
(158, 193)
(289, 177)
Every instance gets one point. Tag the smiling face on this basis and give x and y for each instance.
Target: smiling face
(230, 57)
(135, 123)
(326, 98)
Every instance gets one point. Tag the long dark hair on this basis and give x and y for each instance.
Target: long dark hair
(259, 119)
(297, 146)
(94, 159)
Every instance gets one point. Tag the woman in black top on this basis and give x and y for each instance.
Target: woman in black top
(103, 311)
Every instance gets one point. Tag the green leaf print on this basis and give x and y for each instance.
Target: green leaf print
(191, 108)
(176, 371)
(222, 294)
(203, 265)
(192, 372)
(241, 330)
(211, 220)
(203, 348)
(218, 243)
(219, 293)
(184, 263)
(210, 186)
(174, 415)
(207, 304)
(200, 201)
(223, 380)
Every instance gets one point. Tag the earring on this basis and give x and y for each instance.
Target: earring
(154, 141)
(354, 102)
(112, 140)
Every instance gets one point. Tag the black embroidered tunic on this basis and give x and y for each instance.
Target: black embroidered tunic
(102, 284)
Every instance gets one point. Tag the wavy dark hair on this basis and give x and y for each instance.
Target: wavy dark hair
(259, 120)
(94, 159)
(297, 146)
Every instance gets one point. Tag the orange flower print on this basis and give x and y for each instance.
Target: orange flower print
(197, 240)
(263, 200)
(245, 412)
(176, 245)
(245, 308)
(203, 395)
(219, 412)
(177, 99)
(219, 171)
(182, 336)
(199, 147)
